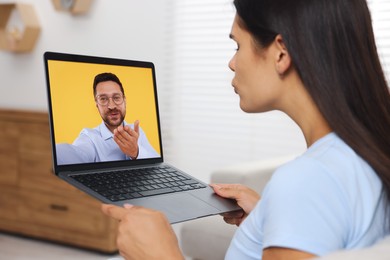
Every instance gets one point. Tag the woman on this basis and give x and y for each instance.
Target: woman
(316, 61)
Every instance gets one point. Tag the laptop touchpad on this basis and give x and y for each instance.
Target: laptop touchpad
(178, 206)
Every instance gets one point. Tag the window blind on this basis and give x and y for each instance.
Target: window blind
(380, 13)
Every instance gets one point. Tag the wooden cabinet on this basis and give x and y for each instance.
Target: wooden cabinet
(33, 201)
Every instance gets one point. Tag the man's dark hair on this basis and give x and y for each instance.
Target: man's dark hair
(106, 76)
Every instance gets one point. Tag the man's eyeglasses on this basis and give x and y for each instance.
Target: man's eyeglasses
(103, 100)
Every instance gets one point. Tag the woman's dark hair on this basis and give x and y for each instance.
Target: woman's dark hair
(106, 76)
(332, 46)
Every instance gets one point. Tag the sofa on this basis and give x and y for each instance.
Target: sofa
(208, 238)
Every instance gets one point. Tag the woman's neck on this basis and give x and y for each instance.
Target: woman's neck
(301, 108)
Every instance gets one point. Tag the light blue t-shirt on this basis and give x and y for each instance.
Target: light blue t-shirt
(328, 199)
(98, 145)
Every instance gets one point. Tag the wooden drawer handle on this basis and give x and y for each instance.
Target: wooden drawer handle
(59, 207)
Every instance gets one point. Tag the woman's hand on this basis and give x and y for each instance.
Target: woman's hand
(246, 198)
(143, 233)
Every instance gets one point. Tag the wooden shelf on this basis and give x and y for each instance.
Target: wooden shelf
(21, 36)
(72, 6)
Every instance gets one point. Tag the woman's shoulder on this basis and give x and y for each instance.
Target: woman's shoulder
(329, 156)
(303, 173)
(329, 165)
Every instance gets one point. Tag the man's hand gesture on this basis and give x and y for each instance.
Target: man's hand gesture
(127, 139)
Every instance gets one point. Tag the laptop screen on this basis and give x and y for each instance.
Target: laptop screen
(103, 111)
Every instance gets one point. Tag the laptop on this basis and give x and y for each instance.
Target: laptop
(86, 155)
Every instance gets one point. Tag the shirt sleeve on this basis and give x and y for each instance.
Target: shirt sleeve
(70, 154)
(145, 148)
(304, 209)
(84, 147)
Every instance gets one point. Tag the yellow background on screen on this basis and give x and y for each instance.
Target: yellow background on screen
(74, 107)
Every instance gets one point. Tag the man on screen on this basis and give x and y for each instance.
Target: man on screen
(113, 139)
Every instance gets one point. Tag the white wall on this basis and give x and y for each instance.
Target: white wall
(129, 29)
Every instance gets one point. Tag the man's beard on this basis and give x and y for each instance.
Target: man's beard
(113, 123)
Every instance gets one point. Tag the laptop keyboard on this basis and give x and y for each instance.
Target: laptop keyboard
(137, 183)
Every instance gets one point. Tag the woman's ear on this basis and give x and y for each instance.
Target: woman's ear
(282, 59)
